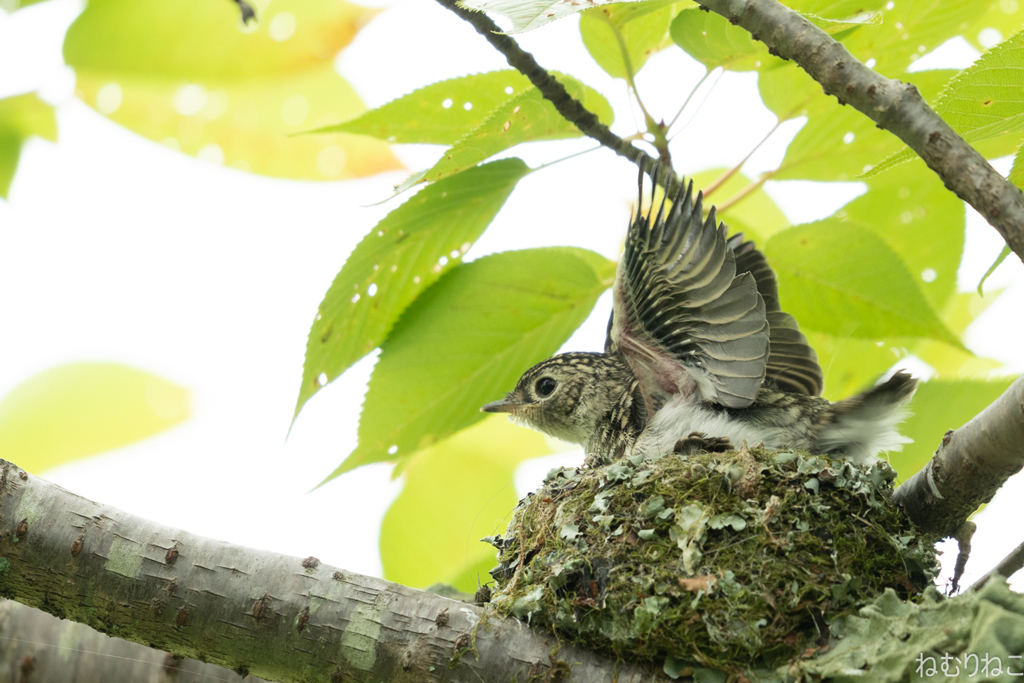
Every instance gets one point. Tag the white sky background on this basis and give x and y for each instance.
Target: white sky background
(114, 248)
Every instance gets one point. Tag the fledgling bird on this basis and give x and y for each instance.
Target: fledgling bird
(697, 343)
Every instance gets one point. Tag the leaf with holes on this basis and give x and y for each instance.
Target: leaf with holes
(81, 409)
(403, 255)
(430, 536)
(466, 341)
(21, 117)
(844, 280)
(526, 117)
(440, 113)
(186, 74)
(984, 102)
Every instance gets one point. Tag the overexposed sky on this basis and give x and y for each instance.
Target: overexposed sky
(115, 248)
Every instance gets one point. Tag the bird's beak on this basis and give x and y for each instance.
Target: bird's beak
(503, 406)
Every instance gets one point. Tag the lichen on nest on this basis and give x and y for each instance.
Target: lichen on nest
(728, 560)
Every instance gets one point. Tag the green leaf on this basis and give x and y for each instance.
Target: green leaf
(403, 255)
(844, 280)
(757, 216)
(440, 113)
(714, 42)
(840, 143)
(525, 117)
(187, 75)
(74, 411)
(983, 102)
(20, 117)
(454, 494)
(921, 221)
(991, 269)
(634, 31)
(940, 405)
(466, 341)
(13, 5)
(961, 310)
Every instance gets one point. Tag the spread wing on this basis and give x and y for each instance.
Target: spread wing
(682, 318)
(792, 363)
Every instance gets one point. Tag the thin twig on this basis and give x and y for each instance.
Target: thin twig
(732, 171)
(1009, 566)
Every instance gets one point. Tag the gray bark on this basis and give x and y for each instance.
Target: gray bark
(251, 611)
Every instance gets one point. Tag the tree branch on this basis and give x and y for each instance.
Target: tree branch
(252, 611)
(969, 466)
(892, 105)
(550, 88)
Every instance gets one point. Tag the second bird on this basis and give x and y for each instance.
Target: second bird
(697, 343)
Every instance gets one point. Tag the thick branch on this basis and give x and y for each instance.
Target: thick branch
(892, 105)
(969, 466)
(45, 649)
(253, 611)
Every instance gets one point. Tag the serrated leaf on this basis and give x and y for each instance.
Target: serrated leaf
(983, 102)
(20, 117)
(833, 275)
(634, 31)
(1016, 175)
(937, 406)
(440, 113)
(525, 117)
(840, 143)
(81, 409)
(757, 216)
(466, 341)
(397, 261)
(187, 75)
(454, 494)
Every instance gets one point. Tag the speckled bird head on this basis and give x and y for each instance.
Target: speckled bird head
(566, 396)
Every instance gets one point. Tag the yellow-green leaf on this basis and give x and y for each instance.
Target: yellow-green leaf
(621, 37)
(439, 113)
(403, 255)
(186, 74)
(757, 216)
(454, 494)
(20, 117)
(465, 341)
(77, 410)
(842, 279)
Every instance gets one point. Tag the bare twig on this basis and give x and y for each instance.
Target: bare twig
(894, 106)
(1009, 566)
(963, 538)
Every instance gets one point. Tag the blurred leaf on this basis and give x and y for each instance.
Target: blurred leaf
(186, 74)
(991, 269)
(12, 5)
(788, 91)
(714, 42)
(77, 410)
(466, 341)
(841, 143)
(851, 365)
(440, 113)
(1016, 175)
(940, 405)
(983, 102)
(1005, 18)
(832, 273)
(20, 117)
(757, 216)
(837, 9)
(404, 254)
(639, 29)
(921, 221)
(525, 117)
(962, 309)
(455, 493)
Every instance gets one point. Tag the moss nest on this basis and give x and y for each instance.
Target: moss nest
(724, 560)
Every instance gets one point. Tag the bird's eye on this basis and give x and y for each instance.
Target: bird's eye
(545, 385)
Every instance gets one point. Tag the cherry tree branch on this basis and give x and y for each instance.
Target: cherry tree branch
(256, 612)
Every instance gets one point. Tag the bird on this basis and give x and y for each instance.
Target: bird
(699, 351)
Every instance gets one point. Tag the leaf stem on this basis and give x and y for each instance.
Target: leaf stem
(732, 171)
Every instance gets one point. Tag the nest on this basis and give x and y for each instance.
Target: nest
(734, 560)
